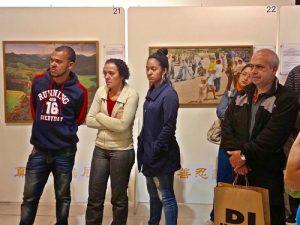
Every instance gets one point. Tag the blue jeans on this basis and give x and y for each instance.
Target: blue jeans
(225, 172)
(217, 83)
(117, 164)
(39, 166)
(161, 193)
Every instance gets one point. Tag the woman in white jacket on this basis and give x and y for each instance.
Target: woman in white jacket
(112, 113)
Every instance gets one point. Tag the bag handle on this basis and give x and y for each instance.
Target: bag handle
(246, 180)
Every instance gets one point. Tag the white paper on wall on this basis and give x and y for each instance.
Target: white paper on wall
(289, 58)
(114, 51)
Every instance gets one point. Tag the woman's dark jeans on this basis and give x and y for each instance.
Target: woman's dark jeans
(39, 166)
(117, 164)
(162, 195)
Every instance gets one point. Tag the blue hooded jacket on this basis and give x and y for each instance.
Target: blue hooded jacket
(57, 111)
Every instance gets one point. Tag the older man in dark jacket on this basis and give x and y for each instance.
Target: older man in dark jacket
(256, 126)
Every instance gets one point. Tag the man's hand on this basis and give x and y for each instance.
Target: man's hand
(235, 159)
(243, 170)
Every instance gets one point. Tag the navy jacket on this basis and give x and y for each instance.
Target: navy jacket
(158, 150)
(57, 111)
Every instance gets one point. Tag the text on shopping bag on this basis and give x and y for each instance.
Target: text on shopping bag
(236, 217)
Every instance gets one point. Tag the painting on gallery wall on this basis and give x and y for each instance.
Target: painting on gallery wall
(200, 75)
(23, 60)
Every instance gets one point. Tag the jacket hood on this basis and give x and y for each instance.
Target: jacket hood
(73, 78)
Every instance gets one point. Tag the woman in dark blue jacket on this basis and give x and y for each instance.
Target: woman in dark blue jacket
(158, 151)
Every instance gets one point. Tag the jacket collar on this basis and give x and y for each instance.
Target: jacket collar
(154, 92)
(250, 89)
(123, 95)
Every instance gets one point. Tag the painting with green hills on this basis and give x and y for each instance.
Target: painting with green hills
(24, 60)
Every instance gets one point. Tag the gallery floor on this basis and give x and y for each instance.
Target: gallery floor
(189, 214)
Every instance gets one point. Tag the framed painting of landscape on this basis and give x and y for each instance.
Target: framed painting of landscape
(201, 74)
(23, 60)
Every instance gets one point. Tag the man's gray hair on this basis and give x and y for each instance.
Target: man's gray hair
(273, 59)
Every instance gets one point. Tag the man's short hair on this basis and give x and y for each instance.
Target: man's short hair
(70, 51)
(273, 60)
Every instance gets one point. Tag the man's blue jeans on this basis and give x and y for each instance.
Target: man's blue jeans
(39, 166)
(117, 165)
(162, 195)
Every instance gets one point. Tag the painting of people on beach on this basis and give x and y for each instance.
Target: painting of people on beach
(200, 75)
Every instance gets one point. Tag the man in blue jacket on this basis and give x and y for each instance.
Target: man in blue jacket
(58, 106)
(257, 124)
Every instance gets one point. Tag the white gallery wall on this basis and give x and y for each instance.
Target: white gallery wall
(289, 25)
(154, 26)
(48, 24)
(193, 26)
